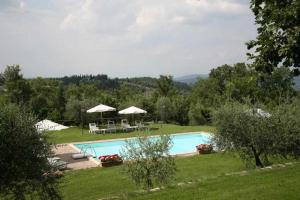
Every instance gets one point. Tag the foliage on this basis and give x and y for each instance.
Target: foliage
(165, 109)
(48, 99)
(76, 110)
(23, 157)
(278, 39)
(275, 88)
(181, 109)
(241, 83)
(236, 82)
(198, 114)
(287, 126)
(241, 128)
(148, 161)
(16, 89)
(165, 86)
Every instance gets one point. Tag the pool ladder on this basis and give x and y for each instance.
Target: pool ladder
(85, 147)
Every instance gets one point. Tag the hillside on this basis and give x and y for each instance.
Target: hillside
(190, 79)
(102, 81)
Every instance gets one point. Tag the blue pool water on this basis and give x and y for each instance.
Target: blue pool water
(182, 144)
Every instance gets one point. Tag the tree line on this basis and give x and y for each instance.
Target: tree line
(66, 99)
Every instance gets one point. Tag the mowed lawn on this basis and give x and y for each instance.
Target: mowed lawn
(75, 134)
(207, 174)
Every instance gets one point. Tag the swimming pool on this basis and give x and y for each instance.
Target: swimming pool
(182, 144)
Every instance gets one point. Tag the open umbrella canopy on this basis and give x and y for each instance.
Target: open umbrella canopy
(101, 108)
(132, 110)
(48, 125)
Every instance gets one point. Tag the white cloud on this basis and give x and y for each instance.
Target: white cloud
(141, 37)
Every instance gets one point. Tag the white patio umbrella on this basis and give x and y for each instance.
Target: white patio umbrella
(48, 125)
(132, 110)
(101, 108)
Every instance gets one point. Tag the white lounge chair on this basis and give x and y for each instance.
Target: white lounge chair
(93, 128)
(111, 127)
(57, 163)
(140, 125)
(126, 126)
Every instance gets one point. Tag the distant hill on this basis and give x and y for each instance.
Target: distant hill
(190, 79)
(102, 81)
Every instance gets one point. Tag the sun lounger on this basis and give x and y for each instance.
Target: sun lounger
(111, 127)
(125, 126)
(140, 125)
(80, 155)
(57, 163)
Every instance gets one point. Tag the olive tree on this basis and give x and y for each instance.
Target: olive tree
(23, 157)
(148, 162)
(257, 135)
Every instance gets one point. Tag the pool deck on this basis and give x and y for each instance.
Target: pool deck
(65, 151)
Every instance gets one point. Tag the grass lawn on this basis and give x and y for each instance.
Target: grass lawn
(207, 172)
(75, 134)
(275, 184)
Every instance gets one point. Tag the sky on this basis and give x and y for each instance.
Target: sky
(123, 38)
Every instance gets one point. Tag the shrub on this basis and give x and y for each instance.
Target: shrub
(148, 161)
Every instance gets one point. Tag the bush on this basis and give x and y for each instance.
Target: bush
(148, 161)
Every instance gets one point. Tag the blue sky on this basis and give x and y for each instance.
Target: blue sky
(123, 38)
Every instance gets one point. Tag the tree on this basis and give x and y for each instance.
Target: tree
(61, 101)
(278, 40)
(207, 93)
(76, 110)
(275, 88)
(165, 86)
(181, 109)
(40, 107)
(16, 88)
(148, 161)
(47, 100)
(199, 115)
(165, 109)
(23, 157)
(287, 126)
(256, 136)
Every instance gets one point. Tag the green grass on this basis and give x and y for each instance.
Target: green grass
(104, 182)
(207, 172)
(275, 184)
(75, 134)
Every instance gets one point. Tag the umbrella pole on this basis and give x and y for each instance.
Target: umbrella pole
(132, 118)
